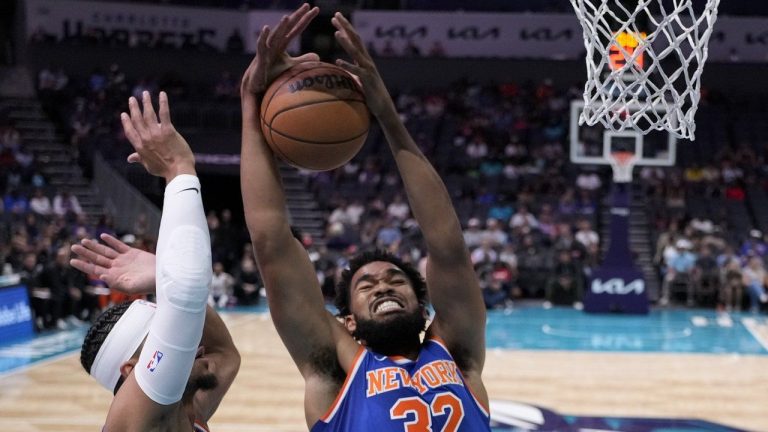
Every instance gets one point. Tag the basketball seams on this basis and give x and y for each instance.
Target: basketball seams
(303, 141)
(315, 102)
(282, 80)
(306, 166)
(277, 149)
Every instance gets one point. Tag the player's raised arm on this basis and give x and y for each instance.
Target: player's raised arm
(156, 381)
(453, 288)
(293, 292)
(132, 271)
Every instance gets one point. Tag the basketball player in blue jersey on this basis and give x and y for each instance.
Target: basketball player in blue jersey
(169, 364)
(370, 370)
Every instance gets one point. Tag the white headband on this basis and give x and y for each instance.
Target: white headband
(121, 342)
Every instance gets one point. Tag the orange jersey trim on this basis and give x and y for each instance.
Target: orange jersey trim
(345, 387)
(482, 406)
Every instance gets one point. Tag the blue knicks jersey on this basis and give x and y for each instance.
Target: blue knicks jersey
(390, 394)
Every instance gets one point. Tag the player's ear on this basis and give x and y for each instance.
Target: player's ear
(127, 367)
(424, 311)
(350, 323)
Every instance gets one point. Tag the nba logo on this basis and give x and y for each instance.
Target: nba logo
(154, 361)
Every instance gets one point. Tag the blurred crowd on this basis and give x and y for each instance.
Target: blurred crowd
(531, 218)
(537, 6)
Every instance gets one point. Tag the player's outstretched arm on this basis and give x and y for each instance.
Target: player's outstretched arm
(156, 382)
(132, 271)
(453, 288)
(293, 292)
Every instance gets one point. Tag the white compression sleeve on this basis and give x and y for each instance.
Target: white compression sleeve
(183, 276)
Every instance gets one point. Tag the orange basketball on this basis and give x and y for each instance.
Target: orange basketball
(314, 116)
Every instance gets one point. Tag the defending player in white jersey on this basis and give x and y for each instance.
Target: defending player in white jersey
(169, 364)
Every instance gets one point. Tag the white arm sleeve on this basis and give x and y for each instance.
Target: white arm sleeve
(183, 277)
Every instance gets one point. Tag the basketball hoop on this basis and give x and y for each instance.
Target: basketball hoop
(654, 71)
(622, 163)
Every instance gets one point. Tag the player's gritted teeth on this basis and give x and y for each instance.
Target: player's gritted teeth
(386, 304)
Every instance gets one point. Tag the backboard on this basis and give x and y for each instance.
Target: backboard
(594, 145)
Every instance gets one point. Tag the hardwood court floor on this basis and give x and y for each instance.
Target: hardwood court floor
(268, 394)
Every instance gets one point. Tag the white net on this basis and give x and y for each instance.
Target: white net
(644, 62)
(622, 164)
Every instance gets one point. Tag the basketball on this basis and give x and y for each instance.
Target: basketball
(314, 116)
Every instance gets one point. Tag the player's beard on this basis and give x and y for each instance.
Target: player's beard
(389, 336)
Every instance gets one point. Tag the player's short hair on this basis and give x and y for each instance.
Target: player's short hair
(98, 333)
(342, 288)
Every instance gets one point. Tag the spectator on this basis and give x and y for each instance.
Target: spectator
(63, 292)
(473, 235)
(665, 242)
(727, 256)
(501, 210)
(213, 222)
(30, 273)
(222, 285)
(588, 181)
(523, 218)
(31, 226)
(140, 226)
(105, 225)
(754, 278)
(477, 149)
(389, 235)
(681, 262)
(247, 282)
(508, 257)
(338, 237)
(80, 123)
(235, 43)
(79, 304)
(588, 237)
(494, 234)
(547, 224)
(340, 214)
(25, 159)
(753, 246)
(15, 203)
(66, 204)
(228, 240)
(398, 209)
(706, 274)
(565, 285)
(370, 175)
(484, 254)
(355, 210)
(732, 286)
(436, 50)
(495, 291)
(585, 203)
(534, 265)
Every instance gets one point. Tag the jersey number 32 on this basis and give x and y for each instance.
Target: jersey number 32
(443, 404)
